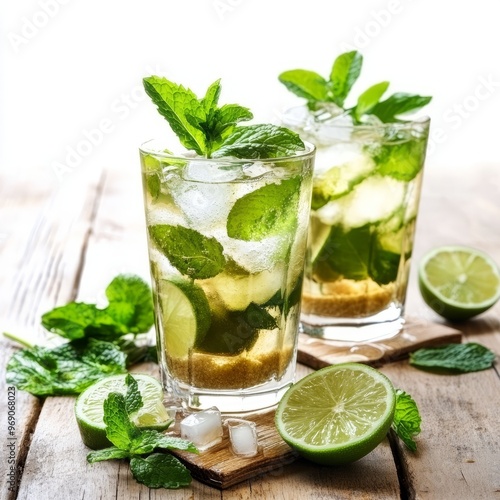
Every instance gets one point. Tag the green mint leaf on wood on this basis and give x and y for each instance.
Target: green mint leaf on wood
(260, 141)
(399, 104)
(72, 320)
(192, 253)
(306, 84)
(119, 428)
(133, 398)
(407, 419)
(130, 303)
(369, 98)
(64, 370)
(460, 358)
(111, 453)
(160, 471)
(345, 71)
(176, 103)
(265, 212)
(130, 310)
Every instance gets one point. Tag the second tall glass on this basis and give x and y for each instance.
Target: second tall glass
(365, 200)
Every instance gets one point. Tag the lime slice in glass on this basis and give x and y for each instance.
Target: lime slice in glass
(89, 408)
(338, 414)
(185, 315)
(458, 282)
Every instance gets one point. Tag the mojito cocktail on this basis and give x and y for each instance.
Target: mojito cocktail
(365, 199)
(368, 175)
(227, 221)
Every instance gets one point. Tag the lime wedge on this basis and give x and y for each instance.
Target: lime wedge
(458, 282)
(338, 414)
(89, 408)
(185, 315)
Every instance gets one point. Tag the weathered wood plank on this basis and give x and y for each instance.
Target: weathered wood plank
(45, 227)
(459, 447)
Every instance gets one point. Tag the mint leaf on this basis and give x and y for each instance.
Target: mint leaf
(119, 429)
(160, 471)
(399, 104)
(130, 310)
(211, 98)
(111, 453)
(192, 253)
(176, 104)
(265, 212)
(131, 303)
(133, 398)
(345, 72)
(257, 317)
(461, 358)
(148, 440)
(66, 369)
(369, 98)
(407, 419)
(260, 141)
(73, 320)
(401, 161)
(304, 83)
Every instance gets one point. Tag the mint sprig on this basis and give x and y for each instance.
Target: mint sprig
(344, 74)
(407, 419)
(212, 131)
(98, 342)
(155, 471)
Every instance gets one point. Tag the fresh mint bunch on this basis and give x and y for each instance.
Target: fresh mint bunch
(213, 131)
(66, 369)
(407, 419)
(130, 310)
(158, 470)
(345, 71)
(97, 345)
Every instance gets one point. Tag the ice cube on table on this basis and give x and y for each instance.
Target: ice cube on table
(243, 437)
(203, 429)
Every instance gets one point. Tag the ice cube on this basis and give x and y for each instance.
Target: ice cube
(243, 437)
(203, 429)
(340, 155)
(373, 200)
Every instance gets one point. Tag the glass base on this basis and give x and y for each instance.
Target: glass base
(383, 325)
(254, 399)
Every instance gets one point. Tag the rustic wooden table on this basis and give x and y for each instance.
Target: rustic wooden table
(65, 239)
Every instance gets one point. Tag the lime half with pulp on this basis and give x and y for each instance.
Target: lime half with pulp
(89, 408)
(458, 282)
(338, 414)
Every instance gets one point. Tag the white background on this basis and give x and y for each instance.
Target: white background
(69, 67)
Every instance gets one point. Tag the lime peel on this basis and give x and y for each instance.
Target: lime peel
(458, 282)
(338, 414)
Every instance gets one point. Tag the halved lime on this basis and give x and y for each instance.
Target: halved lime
(185, 315)
(338, 414)
(458, 282)
(89, 408)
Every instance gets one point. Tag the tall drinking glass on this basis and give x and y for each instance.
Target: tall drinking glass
(366, 192)
(227, 241)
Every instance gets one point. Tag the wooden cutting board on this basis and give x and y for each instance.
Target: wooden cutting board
(318, 353)
(221, 468)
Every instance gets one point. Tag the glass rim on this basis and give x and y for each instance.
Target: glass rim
(307, 152)
(423, 120)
